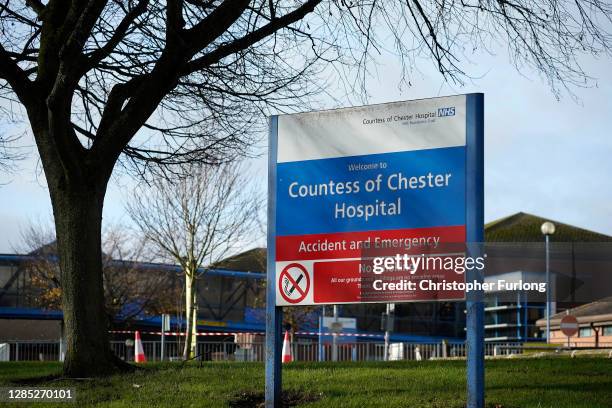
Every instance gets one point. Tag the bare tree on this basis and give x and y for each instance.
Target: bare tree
(42, 269)
(147, 84)
(132, 286)
(130, 290)
(197, 221)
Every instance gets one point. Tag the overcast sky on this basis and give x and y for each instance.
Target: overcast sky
(542, 156)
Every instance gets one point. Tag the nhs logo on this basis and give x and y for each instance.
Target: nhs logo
(446, 111)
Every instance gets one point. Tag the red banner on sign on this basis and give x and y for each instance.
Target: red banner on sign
(351, 244)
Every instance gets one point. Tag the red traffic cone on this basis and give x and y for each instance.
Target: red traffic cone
(139, 355)
(287, 349)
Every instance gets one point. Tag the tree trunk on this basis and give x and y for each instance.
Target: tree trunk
(190, 316)
(78, 219)
(194, 326)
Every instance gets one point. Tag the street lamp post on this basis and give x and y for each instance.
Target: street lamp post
(548, 228)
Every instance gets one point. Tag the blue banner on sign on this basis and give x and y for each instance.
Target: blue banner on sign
(415, 189)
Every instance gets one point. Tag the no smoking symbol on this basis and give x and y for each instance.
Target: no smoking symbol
(294, 283)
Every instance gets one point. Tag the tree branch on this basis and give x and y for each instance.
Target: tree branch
(16, 77)
(174, 22)
(73, 48)
(252, 38)
(98, 55)
(153, 87)
(215, 24)
(36, 5)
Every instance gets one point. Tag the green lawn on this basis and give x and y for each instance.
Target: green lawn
(551, 382)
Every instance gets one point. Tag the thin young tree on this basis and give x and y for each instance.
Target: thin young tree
(197, 221)
(144, 84)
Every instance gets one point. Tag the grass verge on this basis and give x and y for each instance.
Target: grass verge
(549, 382)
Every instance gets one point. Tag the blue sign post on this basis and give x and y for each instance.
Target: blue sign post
(475, 238)
(342, 181)
(274, 314)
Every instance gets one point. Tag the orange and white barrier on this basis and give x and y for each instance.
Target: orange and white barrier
(300, 333)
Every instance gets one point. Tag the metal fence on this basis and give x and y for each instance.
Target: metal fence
(230, 351)
(30, 351)
(313, 351)
(300, 350)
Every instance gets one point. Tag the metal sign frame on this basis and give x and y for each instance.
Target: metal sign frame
(474, 224)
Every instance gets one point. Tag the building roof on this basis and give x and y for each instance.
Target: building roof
(253, 260)
(598, 311)
(523, 227)
(27, 313)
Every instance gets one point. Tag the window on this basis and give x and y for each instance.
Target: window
(586, 332)
(607, 330)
